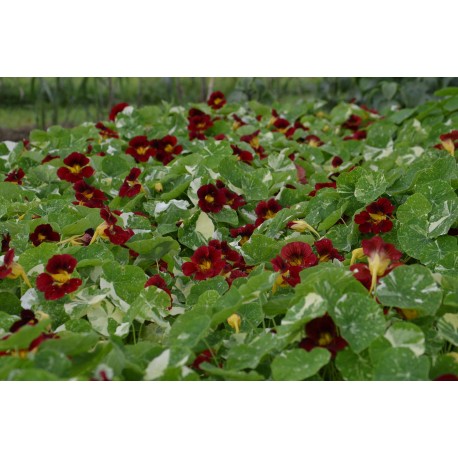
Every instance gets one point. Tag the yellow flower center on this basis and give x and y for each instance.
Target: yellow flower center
(217, 101)
(209, 198)
(295, 261)
(449, 146)
(378, 216)
(269, 214)
(324, 339)
(168, 148)
(62, 277)
(75, 169)
(314, 143)
(41, 237)
(324, 257)
(254, 142)
(205, 265)
(141, 150)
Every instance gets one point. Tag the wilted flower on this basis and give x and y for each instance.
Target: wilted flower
(11, 269)
(56, 282)
(106, 132)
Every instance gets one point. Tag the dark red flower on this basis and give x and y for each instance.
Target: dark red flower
(313, 140)
(131, 187)
(299, 254)
(6, 240)
(118, 108)
(326, 251)
(140, 149)
(44, 233)
(49, 158)
(110, 230)
(234, 200)
(15, 176)
(281, 125)
(375, 219)
(203, 357)
(319, 186)
(449, 142)
(106, 132)
(242, 155)
(336, 161)
(159, 282)
(198, 123)
(358, 135)
(216, 100)
(227, 253)
(166, 149)
(206, 262)
(211, 199)
(56, 282)
(266, 210)
(362, 273)
(253, 141)
(235, 273)
(220, 137)
(289, 274)
(27, 318)
(238, 122)
(322, 332)
(447, 378)
(88, 195)
(76, 168)
(244, 231)
(11, 269)
(352, 123)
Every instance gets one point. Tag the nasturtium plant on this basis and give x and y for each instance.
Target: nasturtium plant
(233, 241)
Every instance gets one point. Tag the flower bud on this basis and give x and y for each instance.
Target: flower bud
(234, 321)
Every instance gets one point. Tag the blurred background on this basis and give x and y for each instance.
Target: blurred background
(28, 103)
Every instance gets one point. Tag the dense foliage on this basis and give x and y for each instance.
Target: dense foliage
(233, 242)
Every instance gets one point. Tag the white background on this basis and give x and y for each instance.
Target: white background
(236, 38)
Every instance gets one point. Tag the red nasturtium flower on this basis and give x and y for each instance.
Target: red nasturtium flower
(233, 199)
(353, 123)
(88, 196)
(76, 168)
(56, 282)
(322, 332)
(376, 218)
(198, 123)
(6, 240)
(106, 132)
(242, 155)
(244, 231)
(11, 269)
(319, 186)
(449, 142)
(379, 255)
(49, 158)
(159, 282)
(357, 135)
(118, 108)
(131, 187)
(238, 122)
(253, 141)
(326, 251)
(216, 100)
(206, 262)
(44, 233)
(166, 149)
(110, 230)
(140, 149)
(15, 176)
(211, 198)
(336, 161)
(313, 140)
(266, 210)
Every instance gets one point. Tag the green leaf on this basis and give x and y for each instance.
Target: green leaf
(218, 284)
(173, 357)
(406, 335)
(10, 303)
(154, 249)
(447, 326)
(128, 281)
(354, 367)
(415, 207)
(21, 339)
(189, 329)
(41, 254)
(370, 186)
(410, 287)
(352, 313)
(260, 249)
(231, 375)
(299, 364)
(249, 355)
(401, 364)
